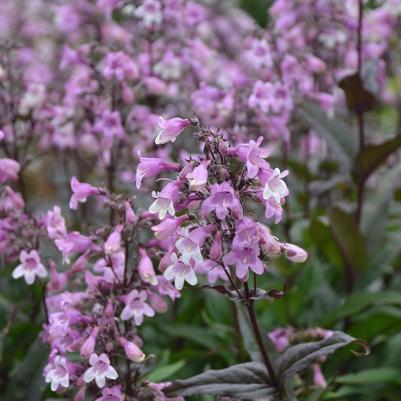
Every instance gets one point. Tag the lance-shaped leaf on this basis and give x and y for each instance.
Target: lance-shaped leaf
(376, 210)
(373, 156)
(298, 357)
(243, 381)
(340, 137)
(348, 238)
(359, 99)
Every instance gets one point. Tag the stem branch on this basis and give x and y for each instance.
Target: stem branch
(259, 339)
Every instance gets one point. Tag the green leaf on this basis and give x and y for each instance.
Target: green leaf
(299, 357)
(26, 382)
(371, 376)
(376, 321)
(247, 334)
(359, 301)
(197, 334)
(340, 137)
(243, 381)
(165, 372)
(348, 238)
(375, 211)
(372, 156)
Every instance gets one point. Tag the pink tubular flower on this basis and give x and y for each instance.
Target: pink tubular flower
(56, 373)
(154, 85)
(73, 242)
(145, 268)
(168, 226)
(198, 176)
(55, 223)
(253, 155)
(150, 12)
(164, 202)
(158, 303)
(262, 96)
(170, 129)
(295, 253)
(30, 267)
(136, 307)
(100, 370)
(246, 233)
(151, 167)
(109, 124)
(130, 216)
(88, 347)
(132, 351)
(9, 170)
(245, 258)
(189, 244)
(12, 200)
(280, 338)
(81, 192)
(268, 243)
(179, 271)
(222, 199)
(275, 187)
(120, 66)
(318, 377)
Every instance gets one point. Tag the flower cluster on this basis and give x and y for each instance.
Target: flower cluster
(206, 224)
(98, 298)
(97, 294)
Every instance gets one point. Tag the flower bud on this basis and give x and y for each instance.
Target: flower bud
(132, 351)
(165, 262)
(158, 303)
(113, 243)
(88, 347)
(127, 94)
(130, 216)
(145, 268)
(268, 242)
(295, 253)
(168, 226)
(109, 310)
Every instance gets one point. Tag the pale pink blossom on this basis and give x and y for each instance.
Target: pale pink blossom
(136, 307)
(56, 373)
(179, 271)
(81, 192)
(100, 370)
(9, 170)
(170, 129)
(30, 267)
(164, 203)
(132, 351)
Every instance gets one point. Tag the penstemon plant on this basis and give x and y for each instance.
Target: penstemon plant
(91, 267)
(209, 228)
